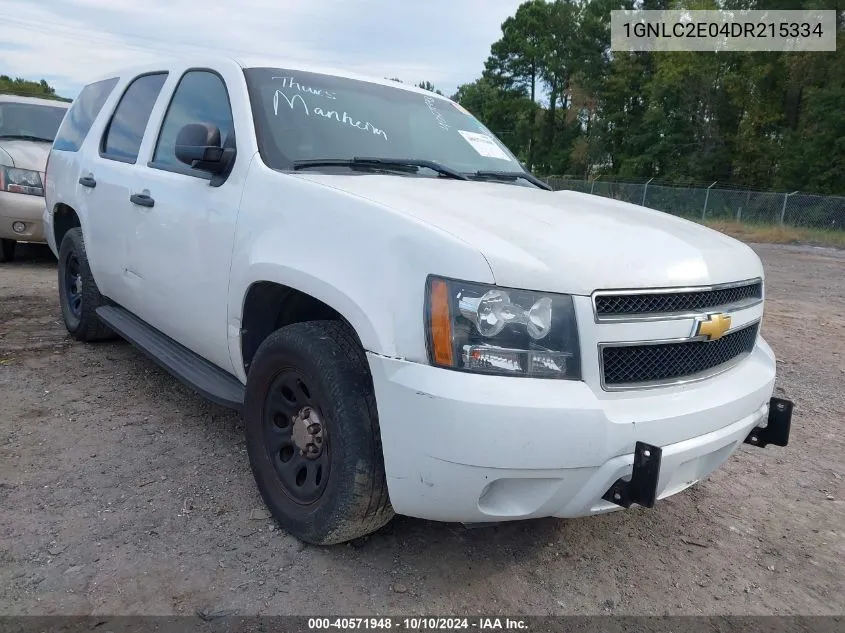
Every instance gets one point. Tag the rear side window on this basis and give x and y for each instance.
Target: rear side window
(81, 115)
(200, 97)
(123, 136)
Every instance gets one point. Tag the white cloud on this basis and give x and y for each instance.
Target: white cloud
(70, 41)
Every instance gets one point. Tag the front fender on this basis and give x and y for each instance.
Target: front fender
(366, 261)
(308, 283)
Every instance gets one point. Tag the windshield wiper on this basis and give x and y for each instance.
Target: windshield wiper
(511, 175)
(26, 137)
(411, 165)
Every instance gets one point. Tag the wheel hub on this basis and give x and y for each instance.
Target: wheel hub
(73, 285)
(297, 437)
(308, 433)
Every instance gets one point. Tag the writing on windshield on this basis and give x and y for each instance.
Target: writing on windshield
(294, 101)
(302, 115)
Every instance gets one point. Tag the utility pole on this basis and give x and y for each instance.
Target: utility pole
(783, 209)
(645, 190)
(706, 198)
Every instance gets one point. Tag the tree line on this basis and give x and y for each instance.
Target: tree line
(555, 94)
(26, 88)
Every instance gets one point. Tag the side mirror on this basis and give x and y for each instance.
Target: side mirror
(198, 145)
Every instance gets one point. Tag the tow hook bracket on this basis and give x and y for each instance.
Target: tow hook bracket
(642, 487)
(777, 428)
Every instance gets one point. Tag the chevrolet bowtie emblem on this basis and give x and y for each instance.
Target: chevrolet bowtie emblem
(712, 326)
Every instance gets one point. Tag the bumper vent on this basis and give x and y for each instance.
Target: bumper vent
(636, 366)
(654, 303)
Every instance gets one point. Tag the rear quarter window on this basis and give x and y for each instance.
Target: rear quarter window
(123, 136)
(81, 115)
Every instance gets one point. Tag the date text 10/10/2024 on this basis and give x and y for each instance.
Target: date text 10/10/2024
(417, 624)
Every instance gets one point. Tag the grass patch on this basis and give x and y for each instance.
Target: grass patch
(776, 234)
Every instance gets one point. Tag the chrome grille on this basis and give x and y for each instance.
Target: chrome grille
(662, 363)
(650, 303)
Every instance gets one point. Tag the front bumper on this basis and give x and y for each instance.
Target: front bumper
(473, 448)
(642, 486)
(19, 207)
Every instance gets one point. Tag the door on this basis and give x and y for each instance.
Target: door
(70, 164)
(185, 226)
(106, 178)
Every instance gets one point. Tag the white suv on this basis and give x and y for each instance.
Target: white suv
(407, 319)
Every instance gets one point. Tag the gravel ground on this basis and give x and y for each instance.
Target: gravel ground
(124, 493)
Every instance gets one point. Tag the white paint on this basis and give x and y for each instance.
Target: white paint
(461, 432)
(346, 119)
(186, 265)
(432, 107)
(339, 117)
(484, 145)
(291, 101)
(291, 82)
(560, 241)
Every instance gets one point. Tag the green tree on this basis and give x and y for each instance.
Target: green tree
(27, 88)
(505, 111)
(813, 150)
(427, 85)
(564, 102)
(517, 60)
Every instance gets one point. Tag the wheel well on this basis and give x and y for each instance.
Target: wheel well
(64, 219)
(269, 306)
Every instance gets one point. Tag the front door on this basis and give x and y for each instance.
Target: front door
(185, 227)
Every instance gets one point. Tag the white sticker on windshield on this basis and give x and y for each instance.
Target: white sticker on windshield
(484, 145)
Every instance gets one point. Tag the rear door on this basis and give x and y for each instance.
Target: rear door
(68, 159)
(183, 240)
(109, 176)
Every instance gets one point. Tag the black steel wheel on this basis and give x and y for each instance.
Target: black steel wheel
(296, 438)
(73, 285)
(312, 433)
(79, 296)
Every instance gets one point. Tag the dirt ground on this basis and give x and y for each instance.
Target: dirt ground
(121, 492)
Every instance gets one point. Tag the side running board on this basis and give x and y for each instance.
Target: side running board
(194, 371)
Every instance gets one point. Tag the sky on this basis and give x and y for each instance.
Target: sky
(70, 42)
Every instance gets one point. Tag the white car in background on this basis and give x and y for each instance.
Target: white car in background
(407, 319)
(28, 126)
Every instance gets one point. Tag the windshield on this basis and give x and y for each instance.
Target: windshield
(30, 121)
(302, 116)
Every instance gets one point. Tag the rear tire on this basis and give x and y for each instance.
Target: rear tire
(7, 250)
(312, 433)
(78, 293)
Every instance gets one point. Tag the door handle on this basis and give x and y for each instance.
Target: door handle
(142, 199)
(88, 181)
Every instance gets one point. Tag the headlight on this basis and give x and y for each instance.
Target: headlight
(493, 330)
(16, 180)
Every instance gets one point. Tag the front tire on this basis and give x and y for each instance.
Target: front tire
(78, 293)
(7, 250)
(312, 434)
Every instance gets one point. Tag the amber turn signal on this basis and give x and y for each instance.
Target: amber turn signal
(441, 324)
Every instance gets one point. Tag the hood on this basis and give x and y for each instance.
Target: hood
(27, 154)
(561, 241)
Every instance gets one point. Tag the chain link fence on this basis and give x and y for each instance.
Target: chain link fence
(720, 203)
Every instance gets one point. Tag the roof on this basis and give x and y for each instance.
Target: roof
(253, 62)
(257, 62)
(10, 98)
